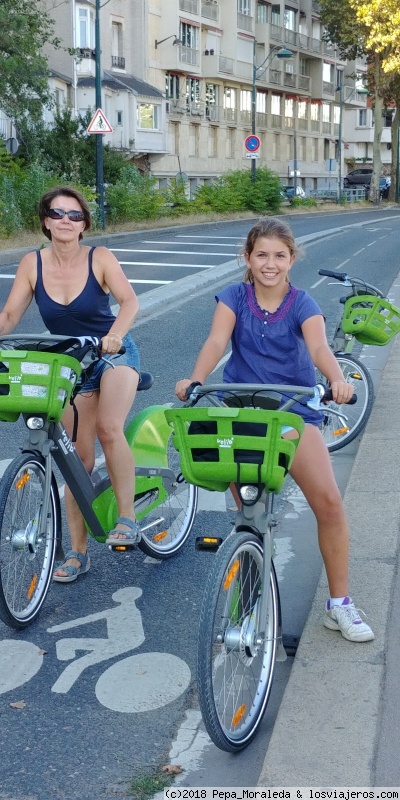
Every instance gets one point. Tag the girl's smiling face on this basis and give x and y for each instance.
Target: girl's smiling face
(270, 261)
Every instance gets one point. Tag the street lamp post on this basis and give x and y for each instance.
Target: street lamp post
(99, 137)
(280, 52)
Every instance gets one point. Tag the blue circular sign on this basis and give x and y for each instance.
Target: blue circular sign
(252, 143)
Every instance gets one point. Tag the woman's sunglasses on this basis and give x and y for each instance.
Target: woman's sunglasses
(58, 213)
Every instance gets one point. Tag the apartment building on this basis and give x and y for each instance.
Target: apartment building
(184, 82)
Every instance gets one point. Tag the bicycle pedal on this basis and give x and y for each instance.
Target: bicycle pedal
(211, 543)
(122, 548)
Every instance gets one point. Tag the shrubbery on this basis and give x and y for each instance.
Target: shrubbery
(130, 195)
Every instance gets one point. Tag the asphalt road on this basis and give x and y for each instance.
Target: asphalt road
(83, 729)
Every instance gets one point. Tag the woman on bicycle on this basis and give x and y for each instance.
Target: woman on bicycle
(277, 334)
(72, 284)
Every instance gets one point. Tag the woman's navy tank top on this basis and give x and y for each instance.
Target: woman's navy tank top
(88, 315)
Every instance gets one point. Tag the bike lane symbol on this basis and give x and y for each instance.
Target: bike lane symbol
(137, 683)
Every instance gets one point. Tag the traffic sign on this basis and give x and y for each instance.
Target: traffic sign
(252, 143)
(252, 155)
(99, 123)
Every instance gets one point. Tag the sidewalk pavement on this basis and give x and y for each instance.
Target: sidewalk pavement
(338, 723)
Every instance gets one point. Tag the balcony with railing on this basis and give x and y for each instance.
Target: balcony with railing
(315, 125)
(117, 62)
(230, 114)
(244, 70)
(276, 121)
(192, 6)
(275, 77)
(289, 122)
(302, 124)
(290, 37)
(328, 87)
(245, 22)
(210, 9)
(213, 112)
(189, 55)
(261, 119)
(327, 128)
(316, 45)
(245, 117)
(289, 79)
(304, 41)
(304, 83)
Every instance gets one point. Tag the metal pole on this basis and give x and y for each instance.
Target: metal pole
(397, 189)
(253, 108)
(340, 140)
(294, 163)
(99, 136)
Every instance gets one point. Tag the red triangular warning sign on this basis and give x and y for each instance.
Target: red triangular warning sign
(99, 123)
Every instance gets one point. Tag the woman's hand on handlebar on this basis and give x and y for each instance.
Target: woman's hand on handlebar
(111, 343)
(342, 391)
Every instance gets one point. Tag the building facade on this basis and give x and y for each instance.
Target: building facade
(184, 82)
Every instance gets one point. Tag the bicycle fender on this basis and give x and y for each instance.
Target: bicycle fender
(148, 434)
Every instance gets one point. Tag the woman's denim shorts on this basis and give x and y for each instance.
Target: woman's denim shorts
(129, 359)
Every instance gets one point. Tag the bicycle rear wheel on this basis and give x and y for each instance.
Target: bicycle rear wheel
(338, 431)
(236, 649)
(166, 527)
(26, 559)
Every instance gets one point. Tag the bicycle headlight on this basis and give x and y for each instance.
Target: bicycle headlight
(249, 494)
(35, 423)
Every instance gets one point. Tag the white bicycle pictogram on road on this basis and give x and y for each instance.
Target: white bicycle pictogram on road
(136, 683)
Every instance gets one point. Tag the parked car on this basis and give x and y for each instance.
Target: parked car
(358, 177)
(288, 192)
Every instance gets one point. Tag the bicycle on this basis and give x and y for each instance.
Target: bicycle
(370, 319)
(240, 629)
(37, 382)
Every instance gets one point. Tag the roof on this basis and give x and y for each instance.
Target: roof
(129, 82)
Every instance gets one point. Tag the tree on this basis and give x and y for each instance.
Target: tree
(25, 27)
(370, 29)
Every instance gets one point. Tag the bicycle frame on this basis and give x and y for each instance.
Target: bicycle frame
(147, 434)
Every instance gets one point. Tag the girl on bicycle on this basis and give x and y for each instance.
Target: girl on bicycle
(72, 284)
(277, 335)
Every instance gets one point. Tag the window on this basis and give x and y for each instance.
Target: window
(262, 13)
(85, 28)
(261, 102)
(289, 107)
(326, 111)
(192, 91)
(314, 113)
(275, 104)
(229, 97)
(189, 35)
(116, 39)
(290, 19)
(245, 100)
(211, 101)
(244, 7)
(148, 116)
(59, 98)
(276, 15)
(119, 118)
(362, 117)
(336, 115)
(302, 109)
(172, 86)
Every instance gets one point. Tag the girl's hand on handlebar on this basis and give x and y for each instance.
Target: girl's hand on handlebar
(111, 343)
(342, 391)
(181, 389)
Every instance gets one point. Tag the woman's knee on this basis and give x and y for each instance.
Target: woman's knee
(328, 505)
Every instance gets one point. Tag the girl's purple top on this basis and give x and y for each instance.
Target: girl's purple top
(269, 347)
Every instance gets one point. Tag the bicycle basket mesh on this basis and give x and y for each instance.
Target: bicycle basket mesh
(221, 445)
(35, 382)
(372, 320)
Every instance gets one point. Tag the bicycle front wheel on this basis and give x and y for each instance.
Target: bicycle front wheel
(236, 649)
(26, 557)
(166, 525)
(341, 428)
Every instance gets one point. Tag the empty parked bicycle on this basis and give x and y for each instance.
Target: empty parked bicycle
(38, 375)
(369, 318)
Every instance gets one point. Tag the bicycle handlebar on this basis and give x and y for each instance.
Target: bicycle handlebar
(317, 394)
(352, 282)
(76, 346)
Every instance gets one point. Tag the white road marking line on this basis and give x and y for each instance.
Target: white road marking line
(8, 276)
(318, 282)
(164, 264)
(205, 244)
(371, 243)
(138, 280)
(339, 266)
(358, 252)
(174, 252)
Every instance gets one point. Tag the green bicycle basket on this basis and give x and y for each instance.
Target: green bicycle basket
(35, 382)
(372, 320)
(221, 445)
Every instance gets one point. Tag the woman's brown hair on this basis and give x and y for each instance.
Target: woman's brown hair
(270, 228)
(62, 191)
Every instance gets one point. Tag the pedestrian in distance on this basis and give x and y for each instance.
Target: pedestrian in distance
(72, 284)
(277, 335)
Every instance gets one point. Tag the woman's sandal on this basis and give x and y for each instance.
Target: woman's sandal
(130, 537)
(70, 569)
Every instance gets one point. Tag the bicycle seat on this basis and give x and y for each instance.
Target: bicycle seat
(146, 380)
